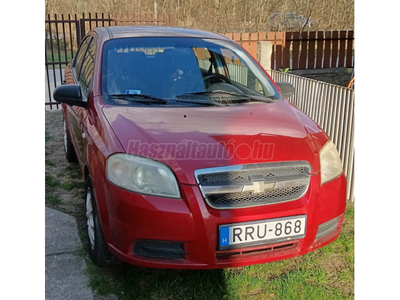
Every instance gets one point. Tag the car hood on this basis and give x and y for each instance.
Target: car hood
(191, 138)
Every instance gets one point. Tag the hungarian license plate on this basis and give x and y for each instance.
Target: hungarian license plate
(261, 232)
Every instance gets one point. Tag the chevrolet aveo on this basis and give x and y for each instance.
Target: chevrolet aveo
(193, 157)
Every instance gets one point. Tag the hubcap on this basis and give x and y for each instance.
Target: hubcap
(90, 218)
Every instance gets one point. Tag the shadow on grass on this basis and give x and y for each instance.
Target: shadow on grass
(130, 282)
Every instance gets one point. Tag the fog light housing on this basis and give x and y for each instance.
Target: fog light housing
(159, 249)
(326, 228)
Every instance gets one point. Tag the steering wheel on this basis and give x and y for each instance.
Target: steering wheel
(220, 76)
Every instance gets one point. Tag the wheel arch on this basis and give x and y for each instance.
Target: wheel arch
(101, 204)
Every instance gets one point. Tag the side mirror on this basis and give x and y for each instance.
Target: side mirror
(70, 94)
(286, 88)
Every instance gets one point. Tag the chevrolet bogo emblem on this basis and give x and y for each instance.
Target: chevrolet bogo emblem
(258, 187)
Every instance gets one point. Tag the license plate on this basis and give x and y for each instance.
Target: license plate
(261, 232)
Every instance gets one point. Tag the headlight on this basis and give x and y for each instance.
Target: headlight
(331, 165)
(142, 175)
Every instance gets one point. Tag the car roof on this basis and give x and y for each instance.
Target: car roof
(116, 32)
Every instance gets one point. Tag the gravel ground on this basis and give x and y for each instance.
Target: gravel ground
(339, 76)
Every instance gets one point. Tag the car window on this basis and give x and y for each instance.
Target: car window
(203, 59)
(77, 64)
(87, 68)
(224, 61)
(168, 68)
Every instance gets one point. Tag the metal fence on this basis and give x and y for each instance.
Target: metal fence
(331, 107)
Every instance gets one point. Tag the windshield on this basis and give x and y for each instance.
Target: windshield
(181, 71)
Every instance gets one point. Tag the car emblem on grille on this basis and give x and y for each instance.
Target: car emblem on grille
(258, 187)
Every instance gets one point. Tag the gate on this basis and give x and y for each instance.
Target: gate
(61, 42)
(64, 34)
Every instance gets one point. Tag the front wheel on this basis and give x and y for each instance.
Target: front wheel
(97, 247)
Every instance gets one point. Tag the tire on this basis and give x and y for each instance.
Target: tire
(96, 245)
(69, 150)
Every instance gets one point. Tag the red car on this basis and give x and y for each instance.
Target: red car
(193, 157)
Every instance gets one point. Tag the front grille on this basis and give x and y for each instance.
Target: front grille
(269, 197)
(159, 249)
(253, 185)
(243, 176)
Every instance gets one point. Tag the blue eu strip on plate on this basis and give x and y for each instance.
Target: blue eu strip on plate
(224, 236)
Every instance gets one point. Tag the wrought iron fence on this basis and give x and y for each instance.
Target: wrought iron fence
(332, 108)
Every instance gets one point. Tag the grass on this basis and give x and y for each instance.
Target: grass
(47, 136)
(58, 181)
(48, 162)
(56, 59)
(58, 56)
(51, 185)
(327, 273)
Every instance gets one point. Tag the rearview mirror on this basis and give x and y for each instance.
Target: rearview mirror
(286, 88)
(70, 94)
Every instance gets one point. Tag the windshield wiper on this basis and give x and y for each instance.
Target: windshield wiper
(262, 98)
(219, 96)
(139, 98)
(213, 94)
(206, 102)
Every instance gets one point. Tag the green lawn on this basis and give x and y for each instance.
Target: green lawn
(56, 57)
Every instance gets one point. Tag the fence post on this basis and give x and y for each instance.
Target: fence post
(171, 20)
(264, 52)
(82, 28)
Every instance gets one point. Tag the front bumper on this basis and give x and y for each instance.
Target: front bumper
(183, 233)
